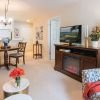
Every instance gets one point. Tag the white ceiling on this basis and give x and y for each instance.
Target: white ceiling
(31, 9)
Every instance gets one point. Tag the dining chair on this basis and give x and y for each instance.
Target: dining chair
(20, 53)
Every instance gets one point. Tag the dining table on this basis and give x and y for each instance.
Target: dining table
(6, 56)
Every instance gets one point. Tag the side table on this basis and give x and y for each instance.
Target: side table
(37, 50)
(10, 89)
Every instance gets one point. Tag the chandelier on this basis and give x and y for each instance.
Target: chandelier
(4, 20)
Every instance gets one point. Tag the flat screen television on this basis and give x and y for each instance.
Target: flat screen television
(71, 34)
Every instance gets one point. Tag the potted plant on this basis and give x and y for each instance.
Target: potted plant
(94, 36)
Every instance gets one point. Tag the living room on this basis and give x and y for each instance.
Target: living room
(30, 23)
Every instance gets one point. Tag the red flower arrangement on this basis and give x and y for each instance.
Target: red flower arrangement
(16, 73)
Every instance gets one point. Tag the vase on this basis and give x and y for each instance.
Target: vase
(5, 45)
(17, 81)
(95, 44)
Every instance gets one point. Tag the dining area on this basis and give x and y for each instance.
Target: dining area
(9, 52)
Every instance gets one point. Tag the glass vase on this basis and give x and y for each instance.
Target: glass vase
(5, 45)
(17, 80)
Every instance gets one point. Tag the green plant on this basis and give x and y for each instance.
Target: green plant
(95, 35)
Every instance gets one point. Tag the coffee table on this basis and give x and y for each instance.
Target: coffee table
(10, 89)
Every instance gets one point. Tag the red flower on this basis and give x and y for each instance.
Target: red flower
(17, 72)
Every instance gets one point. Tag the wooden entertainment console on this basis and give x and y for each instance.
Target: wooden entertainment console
(71, 60)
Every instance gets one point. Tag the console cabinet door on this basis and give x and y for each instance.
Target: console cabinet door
(58, 59)
(89, 62)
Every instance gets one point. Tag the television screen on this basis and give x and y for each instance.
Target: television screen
(71, 34)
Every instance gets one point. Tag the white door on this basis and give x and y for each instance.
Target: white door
(54, 35)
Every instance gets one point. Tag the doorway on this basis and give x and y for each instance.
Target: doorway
(54, 35)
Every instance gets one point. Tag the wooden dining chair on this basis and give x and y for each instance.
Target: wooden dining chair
(20, 53)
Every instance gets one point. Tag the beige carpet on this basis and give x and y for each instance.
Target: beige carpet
(45, 82)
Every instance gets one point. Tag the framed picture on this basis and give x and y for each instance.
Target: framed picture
(41, 28)
(39, 33)
(16, 33)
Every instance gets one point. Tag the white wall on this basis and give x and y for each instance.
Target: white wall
(81, 12)
(90, 12)
(26, 33)
(44, 42)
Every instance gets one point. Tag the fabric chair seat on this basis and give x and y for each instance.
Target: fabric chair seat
(15, 55)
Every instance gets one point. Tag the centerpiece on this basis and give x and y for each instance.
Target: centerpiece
(16, 74)
(6, 41)
(94, 36)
